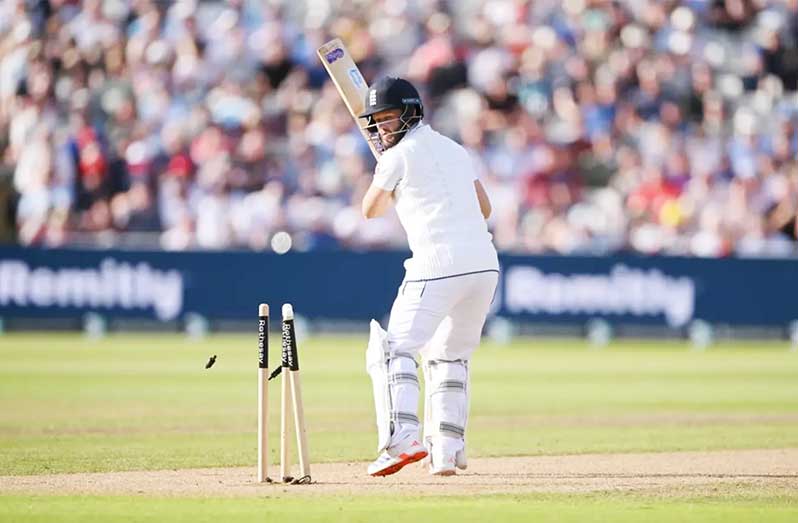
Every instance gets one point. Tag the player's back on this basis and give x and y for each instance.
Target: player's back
(438, 206)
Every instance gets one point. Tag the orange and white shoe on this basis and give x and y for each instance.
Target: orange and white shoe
(395, 458)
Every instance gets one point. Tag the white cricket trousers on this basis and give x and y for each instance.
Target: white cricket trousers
(441, 318)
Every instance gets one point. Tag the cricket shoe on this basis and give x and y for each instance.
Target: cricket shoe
(460, 460)
(394, 458)
(444, 463)
(443, 466)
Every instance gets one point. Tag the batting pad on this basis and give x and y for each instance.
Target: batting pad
(446, 401)
(394, 380)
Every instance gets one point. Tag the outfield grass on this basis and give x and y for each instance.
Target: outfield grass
(68, 404)
(505, 508)
(146, 402)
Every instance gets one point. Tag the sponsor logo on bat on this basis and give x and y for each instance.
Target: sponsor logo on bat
(357, 79)
(334, 55)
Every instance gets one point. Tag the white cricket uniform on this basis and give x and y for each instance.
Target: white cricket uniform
(441, 305)
(451, 278)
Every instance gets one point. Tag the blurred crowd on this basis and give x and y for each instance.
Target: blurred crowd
(598, 126)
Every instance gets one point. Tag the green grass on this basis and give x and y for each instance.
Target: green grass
(146, 402)
(505, 508)
(68, 404)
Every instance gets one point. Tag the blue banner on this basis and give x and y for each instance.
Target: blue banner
(650, 290)
(57, 283)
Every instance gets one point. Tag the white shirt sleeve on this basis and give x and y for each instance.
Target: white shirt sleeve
(390, 169)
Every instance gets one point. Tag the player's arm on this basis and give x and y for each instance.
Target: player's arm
(484, 201)
(391, 168)
(375, 202)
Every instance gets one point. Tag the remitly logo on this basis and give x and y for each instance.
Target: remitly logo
(113, 284)
(624, 290)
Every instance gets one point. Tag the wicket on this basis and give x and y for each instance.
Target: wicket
(291, 400)
(292, 387)
(263, 392)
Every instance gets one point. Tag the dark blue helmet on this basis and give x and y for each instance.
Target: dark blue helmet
(392, 93)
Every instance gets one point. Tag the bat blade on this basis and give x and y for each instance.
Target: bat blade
(349, 82)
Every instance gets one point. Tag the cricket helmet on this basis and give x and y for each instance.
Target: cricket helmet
(392, 93)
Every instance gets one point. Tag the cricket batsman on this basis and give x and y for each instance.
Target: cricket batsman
(450, 280)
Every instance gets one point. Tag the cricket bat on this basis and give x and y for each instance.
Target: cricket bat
(350, 84)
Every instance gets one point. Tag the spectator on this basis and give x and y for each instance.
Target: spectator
(657, 127)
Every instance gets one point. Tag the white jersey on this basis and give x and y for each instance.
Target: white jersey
(433, 182)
